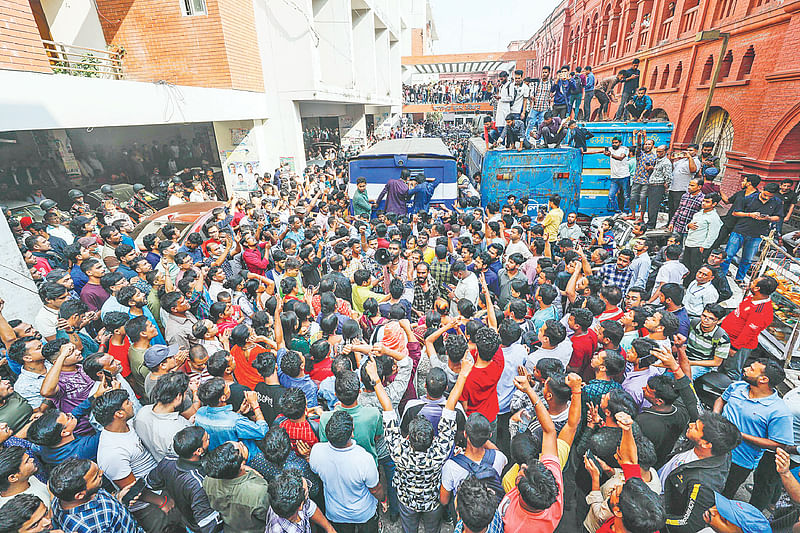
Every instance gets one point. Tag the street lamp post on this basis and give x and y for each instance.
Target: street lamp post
(705, 36)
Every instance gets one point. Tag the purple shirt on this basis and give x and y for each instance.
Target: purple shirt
(395, 192)
(73, 389)
(94, 296)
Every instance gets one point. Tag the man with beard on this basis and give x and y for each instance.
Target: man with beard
(396, 268)
(753, 406)
(136, 302)
(76, 485)
(425, 291)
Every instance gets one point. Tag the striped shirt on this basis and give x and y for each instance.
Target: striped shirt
(702, 346)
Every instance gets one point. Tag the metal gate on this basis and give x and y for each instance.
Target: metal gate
(719, 130)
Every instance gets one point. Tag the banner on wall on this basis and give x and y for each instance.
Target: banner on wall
(63, 146)
(239, 135)
(289, 162)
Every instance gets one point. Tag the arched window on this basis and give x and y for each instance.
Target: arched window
(653, 79)
(676, 78)
(725, 67)
(664, 78)
(707, 69)
(747, 63)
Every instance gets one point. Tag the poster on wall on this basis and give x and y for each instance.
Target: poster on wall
(239, 135)
(245, 175)
(63, 146)
(289, 162)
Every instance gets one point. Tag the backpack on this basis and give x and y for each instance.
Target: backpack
(483, 471)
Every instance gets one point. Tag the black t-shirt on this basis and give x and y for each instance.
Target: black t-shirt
(631, 85)
(736, 201)
(789, 199)
(268, 397)
(237, 395)
(310, 274)
(751, 227)
(663, 429)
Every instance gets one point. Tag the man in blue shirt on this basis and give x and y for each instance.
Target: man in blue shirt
(560, 89)
(588, 93)
(760, 414)
(223, 425)
(193, 247)
(423, 193)
(640, 105)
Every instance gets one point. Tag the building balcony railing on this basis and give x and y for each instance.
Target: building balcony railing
(689, 19)
(643, 38)
(663, 33)
(84, 62)
(628, 43)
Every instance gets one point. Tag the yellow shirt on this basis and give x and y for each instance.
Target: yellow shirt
(361, 294)
(552, 220)
(510, 479)
(428, 255)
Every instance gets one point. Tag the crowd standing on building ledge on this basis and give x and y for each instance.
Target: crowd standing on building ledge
(308, 360)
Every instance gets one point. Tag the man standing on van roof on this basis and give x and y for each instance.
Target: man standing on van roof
(395, 192)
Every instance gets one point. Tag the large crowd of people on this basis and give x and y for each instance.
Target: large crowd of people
(314, 360)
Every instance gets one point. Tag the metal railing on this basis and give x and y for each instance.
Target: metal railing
(83, 61)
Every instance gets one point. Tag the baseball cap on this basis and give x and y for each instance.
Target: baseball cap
(86, 242)
(155, 355)
(742, 514)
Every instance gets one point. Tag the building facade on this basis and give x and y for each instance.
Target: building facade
(105, 90)
(755, 112)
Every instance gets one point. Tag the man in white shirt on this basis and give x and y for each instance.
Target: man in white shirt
(703, 230)
(620, 175)
(684, 168)
(700, 292)
(517, 245)
(672, 271)
(570, 229)
(520, 95)
(53, 296)
(504, 97)
(467, 287)
(158, 424)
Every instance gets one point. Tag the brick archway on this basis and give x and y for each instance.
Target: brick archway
(780, 134)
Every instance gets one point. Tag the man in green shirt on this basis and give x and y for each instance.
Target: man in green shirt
(15, 411)
(367, 421)
(236, 491)
(361, 204)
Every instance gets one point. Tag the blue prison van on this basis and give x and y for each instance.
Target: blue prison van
(582, 180)
(426, 156)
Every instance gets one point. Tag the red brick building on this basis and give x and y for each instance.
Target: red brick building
(755, 111)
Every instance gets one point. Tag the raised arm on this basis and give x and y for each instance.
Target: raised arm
(567, 433)
(549, 445)
(50, 384)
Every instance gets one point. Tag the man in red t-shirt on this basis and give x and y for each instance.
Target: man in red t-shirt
(744, 325)
(480, 390)
(584, 342)
(118, 343)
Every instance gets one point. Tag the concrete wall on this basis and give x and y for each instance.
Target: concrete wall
(16, 286)
(85, 102)
(332, 24)
(74, 22)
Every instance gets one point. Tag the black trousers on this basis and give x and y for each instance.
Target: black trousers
(370, 526)
(693, 260)
(736, 477)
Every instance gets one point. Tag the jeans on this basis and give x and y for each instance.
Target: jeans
(655, 193)
(749, 246)
(698, 371)
(391, 491)
(638, 197)
(574, 104)
(534, 119)
(587, 104)
(734, 364)
(617, 185)
(410, 520)
(621, 111)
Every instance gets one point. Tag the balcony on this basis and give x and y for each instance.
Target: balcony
(689, 19)
(643, 38)
(663, 32)
(84, 62)
(628, 43)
